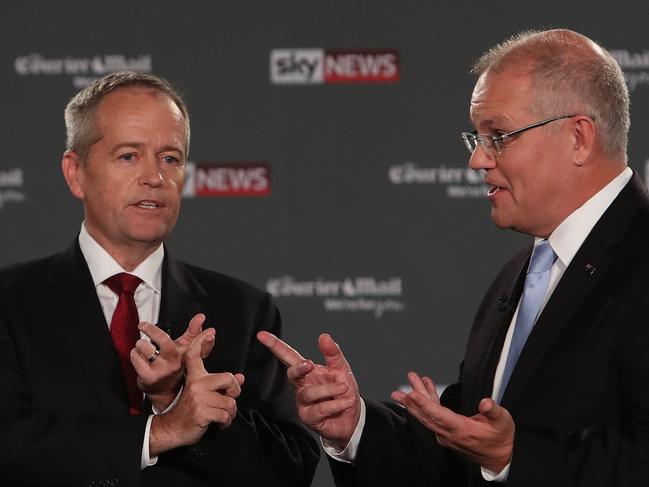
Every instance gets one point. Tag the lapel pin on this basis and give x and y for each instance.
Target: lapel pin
(590, 269)
(502, 302)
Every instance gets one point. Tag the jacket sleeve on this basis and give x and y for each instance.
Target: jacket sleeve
(395, 450)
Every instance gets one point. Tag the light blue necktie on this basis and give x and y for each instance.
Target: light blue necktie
(536, 285)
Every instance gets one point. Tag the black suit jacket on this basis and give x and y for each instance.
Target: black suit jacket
(63, 407)
(579, 394)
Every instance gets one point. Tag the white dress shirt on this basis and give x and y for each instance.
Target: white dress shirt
(147, 295)
(566, 240)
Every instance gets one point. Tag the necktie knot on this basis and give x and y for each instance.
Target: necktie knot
(123, 282)
(543, 258)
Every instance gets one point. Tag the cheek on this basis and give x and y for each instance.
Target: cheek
(177, 180)
(98, 193)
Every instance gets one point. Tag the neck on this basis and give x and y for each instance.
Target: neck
(127, 254)
(581, 191)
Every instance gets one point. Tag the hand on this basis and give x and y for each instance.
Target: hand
(206, 398)
(328, 400)
(160, 375)
(487, 438)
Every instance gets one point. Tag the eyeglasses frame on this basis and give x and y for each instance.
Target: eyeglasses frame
(496, 140)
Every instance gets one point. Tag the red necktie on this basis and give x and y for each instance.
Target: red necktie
(123, 328)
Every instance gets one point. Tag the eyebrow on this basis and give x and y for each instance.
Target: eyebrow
(495, 121)
(139, 145)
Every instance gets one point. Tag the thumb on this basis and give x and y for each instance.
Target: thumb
(193, 360)
(194, 328)
(332, 354)
(208, 345)
(490, 409)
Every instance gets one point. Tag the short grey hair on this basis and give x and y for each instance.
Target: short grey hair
(570, 74)
(80, 121)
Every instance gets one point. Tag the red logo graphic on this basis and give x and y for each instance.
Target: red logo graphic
(333, 66)
(227, 179)
(361, 66)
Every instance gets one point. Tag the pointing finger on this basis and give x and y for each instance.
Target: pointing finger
(282, 350)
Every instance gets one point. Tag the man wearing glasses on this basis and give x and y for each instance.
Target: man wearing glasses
(554, 386)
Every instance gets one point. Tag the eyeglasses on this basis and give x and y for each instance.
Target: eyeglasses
(492, 144)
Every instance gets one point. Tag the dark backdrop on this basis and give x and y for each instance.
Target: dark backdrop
(349, 200)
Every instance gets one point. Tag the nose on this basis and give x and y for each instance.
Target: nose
(150, 172)
(480, 159)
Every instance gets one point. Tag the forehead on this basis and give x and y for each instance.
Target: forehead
(499, 97)
(137, 103)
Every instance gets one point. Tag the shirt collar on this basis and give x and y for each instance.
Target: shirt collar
(571, 233)
(102, 265)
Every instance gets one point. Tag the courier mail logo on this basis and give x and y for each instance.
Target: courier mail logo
(333, 66)
(204, 179)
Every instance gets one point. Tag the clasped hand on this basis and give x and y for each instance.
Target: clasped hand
(160, 379)
(206, 398)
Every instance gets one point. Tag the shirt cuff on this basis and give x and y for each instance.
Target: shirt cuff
(171, 406)
(146, 461)
(490, 476)
(348, 454)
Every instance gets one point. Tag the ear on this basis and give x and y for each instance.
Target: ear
(584, 139)
(73, 173)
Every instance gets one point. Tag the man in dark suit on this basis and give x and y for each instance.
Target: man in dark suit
(554, 386)
(87, 398)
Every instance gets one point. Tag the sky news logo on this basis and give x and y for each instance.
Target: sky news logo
(205, 179)
(334, 66)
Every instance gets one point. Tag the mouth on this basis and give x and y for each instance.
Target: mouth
(493, 190)
(148, 204)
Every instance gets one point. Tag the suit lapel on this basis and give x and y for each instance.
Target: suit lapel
(489, 331)
(181, 294)
(587, 269)
(75, 310)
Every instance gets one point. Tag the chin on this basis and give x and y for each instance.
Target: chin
(149, 235)
(499, 221)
